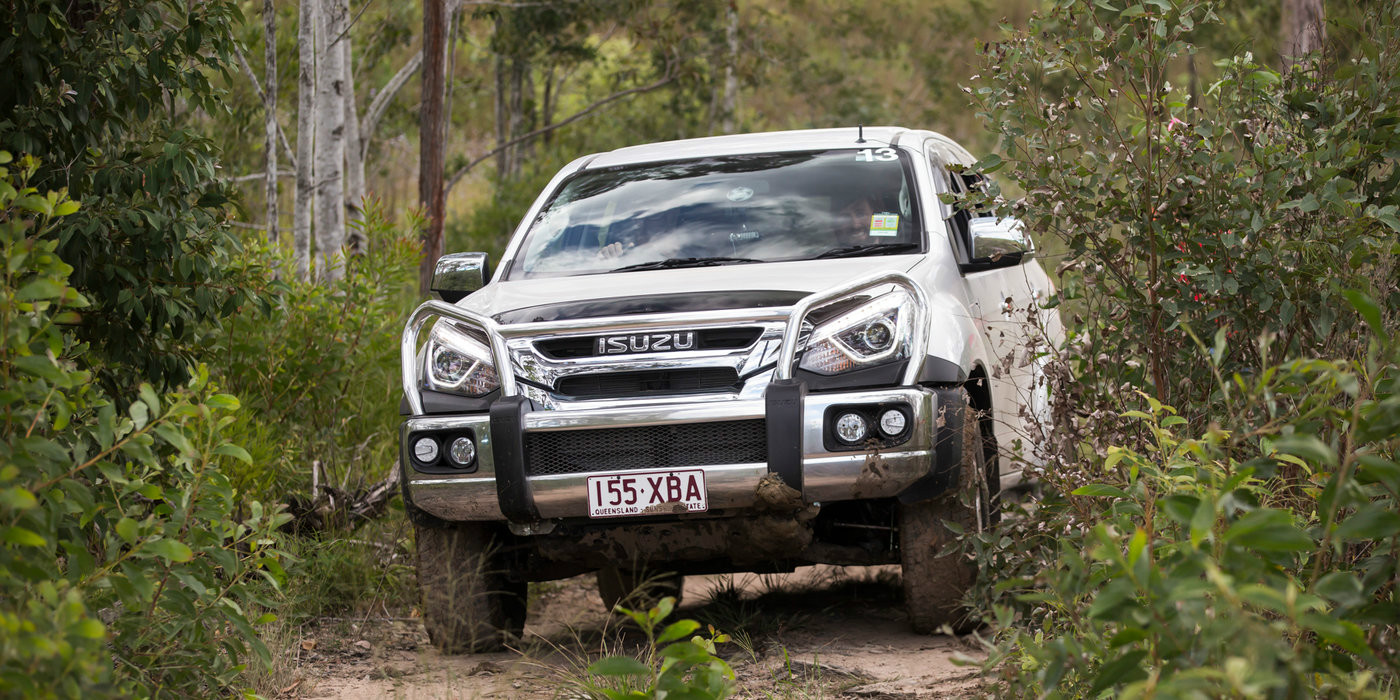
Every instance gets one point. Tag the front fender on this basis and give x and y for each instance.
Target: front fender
(954, 346)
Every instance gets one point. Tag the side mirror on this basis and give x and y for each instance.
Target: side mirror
(459, 274)
(998, 241)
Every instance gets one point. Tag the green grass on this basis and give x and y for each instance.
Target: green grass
(366, 572)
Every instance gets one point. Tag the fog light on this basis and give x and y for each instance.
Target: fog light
(425, 450)
(892, 422)
(462, 452)
(850, 428)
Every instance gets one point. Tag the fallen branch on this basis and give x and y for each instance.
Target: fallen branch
(332, 506)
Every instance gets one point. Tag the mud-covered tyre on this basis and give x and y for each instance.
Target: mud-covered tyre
(637, 590)
(469, 602)
(935, 580)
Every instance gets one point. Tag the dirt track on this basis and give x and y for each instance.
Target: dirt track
(817, 633)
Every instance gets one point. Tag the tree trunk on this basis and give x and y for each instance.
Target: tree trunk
(1193, 84)
(453, 21)
(330, 144)
(431, 153)
(731, 81)
(547, 104)
(515, 120)
(502, 130)
(712, 110)
(529, 113)
(306, 137)
(355, 242)
(270, 117)
(1303, 30)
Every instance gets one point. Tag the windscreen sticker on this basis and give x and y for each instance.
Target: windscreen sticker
(884, 225)
(739, 194)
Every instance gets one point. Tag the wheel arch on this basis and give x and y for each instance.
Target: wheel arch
(979, 393)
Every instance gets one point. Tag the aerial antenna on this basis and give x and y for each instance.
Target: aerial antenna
(860, 133)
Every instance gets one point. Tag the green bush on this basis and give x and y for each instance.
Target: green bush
(319, 369)
(126, 566)
(339, 573)
(1180, 219)
(1233, 564)
(1219, 515)
(103, 94)
(318, 373)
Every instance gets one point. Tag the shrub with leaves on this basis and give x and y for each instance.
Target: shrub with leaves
(319, 368)
(1247, 205)
(1259, 563)
(103, 93)
(318, 373)
(1220, 518)
(126, 567)
(674, 666)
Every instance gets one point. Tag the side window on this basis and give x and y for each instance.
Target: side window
(965, 184)
(945, 184)
(961, 217)
(974, 182)
(977, 235)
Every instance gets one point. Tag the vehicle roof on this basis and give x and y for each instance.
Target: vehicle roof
(772, 142)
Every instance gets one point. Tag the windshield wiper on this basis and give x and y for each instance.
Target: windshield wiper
(852, 251)
(669, 263)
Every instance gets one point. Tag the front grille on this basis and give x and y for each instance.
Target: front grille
(603, 385)
(705, 339)
(649, 447)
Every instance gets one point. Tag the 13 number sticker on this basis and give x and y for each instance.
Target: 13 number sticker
(870, 155)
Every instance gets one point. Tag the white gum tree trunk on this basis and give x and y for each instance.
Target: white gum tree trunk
(307, 20)
(270, 117)
(330, 143)
(1304, 29)
(731, 81)
(353, 149)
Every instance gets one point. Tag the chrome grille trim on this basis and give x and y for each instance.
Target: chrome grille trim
(544, 375)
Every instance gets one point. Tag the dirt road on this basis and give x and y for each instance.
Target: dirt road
(820, 632)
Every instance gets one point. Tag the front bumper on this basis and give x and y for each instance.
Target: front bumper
(500, 489)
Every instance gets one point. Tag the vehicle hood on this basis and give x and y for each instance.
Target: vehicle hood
(754, 285)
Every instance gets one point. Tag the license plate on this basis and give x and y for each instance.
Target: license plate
(647, 493)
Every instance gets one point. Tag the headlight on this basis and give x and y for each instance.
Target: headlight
(877, 332)
(458, 363)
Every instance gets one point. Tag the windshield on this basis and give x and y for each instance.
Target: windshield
(730, 210)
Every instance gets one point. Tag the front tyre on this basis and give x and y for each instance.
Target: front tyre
(469, 603)
(934, 580)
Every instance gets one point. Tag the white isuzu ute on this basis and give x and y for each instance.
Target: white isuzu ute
(742, 353)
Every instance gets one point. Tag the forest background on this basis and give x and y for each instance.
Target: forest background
(214, 223)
